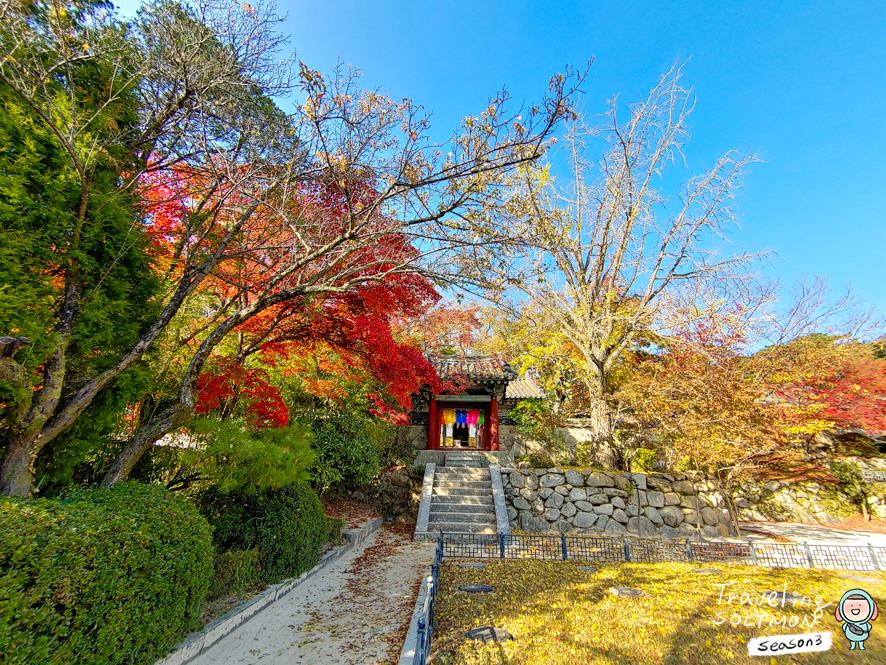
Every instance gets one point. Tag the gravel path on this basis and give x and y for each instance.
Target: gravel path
(355, 613)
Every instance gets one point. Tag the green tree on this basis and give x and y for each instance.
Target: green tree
(51, 248)
(90, 105)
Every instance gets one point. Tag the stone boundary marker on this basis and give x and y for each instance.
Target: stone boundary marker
(498, 498)
(196, 643)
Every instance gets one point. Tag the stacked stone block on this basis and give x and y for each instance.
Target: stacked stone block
(589, 502)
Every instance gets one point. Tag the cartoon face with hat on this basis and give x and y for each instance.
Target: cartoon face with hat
(856, 609)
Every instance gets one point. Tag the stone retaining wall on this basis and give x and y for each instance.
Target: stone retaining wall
(662, 504)
(614, 504)
(810, 502)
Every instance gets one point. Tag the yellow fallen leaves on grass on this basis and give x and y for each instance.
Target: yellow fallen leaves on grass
(560, 615)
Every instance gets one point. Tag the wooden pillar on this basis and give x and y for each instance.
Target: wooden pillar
(433, 425)
(493, 423)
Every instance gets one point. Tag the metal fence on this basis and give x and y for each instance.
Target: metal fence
(639, 550)
(425, 632)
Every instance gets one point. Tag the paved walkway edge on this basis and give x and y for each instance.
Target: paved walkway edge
(424, 508)
(407, 654)
(196, 643)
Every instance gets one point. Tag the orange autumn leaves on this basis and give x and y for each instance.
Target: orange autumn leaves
(330, 337)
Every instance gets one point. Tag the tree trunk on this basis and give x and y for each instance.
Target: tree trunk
(17, 475)
(601, 426)
(600, 418)
(726, 493)
(26, 438)
(141, 442)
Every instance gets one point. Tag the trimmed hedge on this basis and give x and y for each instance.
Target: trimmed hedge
(287, 525)
(104, 576)
(235, 571)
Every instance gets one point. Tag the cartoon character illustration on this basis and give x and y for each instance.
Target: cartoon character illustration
(856, 609)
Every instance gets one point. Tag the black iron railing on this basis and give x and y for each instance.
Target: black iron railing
(640, 550)
(425, 632)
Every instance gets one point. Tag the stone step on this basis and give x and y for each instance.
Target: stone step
(440, 478)
(455, 457)
(467, 464)
(466, 518)
(462, 491)
(445, 499)
(461, 507)
(482, 484)
(461, 527)
(458, 479)
(462, 472)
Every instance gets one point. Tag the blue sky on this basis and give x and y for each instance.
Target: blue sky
(802, 83)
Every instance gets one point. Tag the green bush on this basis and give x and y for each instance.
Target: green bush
(535, 420)
(643, 459)
(104, 576)
(347, 450)
(539, 460)
(235, 571)
(337, 530)
(287, 525)
(394, 446)
(851, 483)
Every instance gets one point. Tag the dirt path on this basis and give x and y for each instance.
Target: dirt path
(355, 613)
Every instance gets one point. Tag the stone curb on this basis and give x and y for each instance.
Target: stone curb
(407, 654)
(498, 497)
(424, 507)
(196, 643)
(425, 536)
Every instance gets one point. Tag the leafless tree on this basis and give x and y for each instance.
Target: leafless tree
(599, 256)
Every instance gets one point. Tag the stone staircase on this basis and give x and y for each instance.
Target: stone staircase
(462, 497)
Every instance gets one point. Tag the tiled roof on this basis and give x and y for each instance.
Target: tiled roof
(524, 388)
(473, 367)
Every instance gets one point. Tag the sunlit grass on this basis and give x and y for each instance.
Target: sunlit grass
(560, 614)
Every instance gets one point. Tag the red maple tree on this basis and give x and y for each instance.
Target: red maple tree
(857, 398)
(354, 326)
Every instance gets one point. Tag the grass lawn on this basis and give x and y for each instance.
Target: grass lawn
(560, 614)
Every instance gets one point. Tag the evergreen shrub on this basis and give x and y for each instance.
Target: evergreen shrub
(287, 525)
(539, 460)
(643, 460)
(235, 571)
(337, 528)
(102, 577)
(347, 450)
